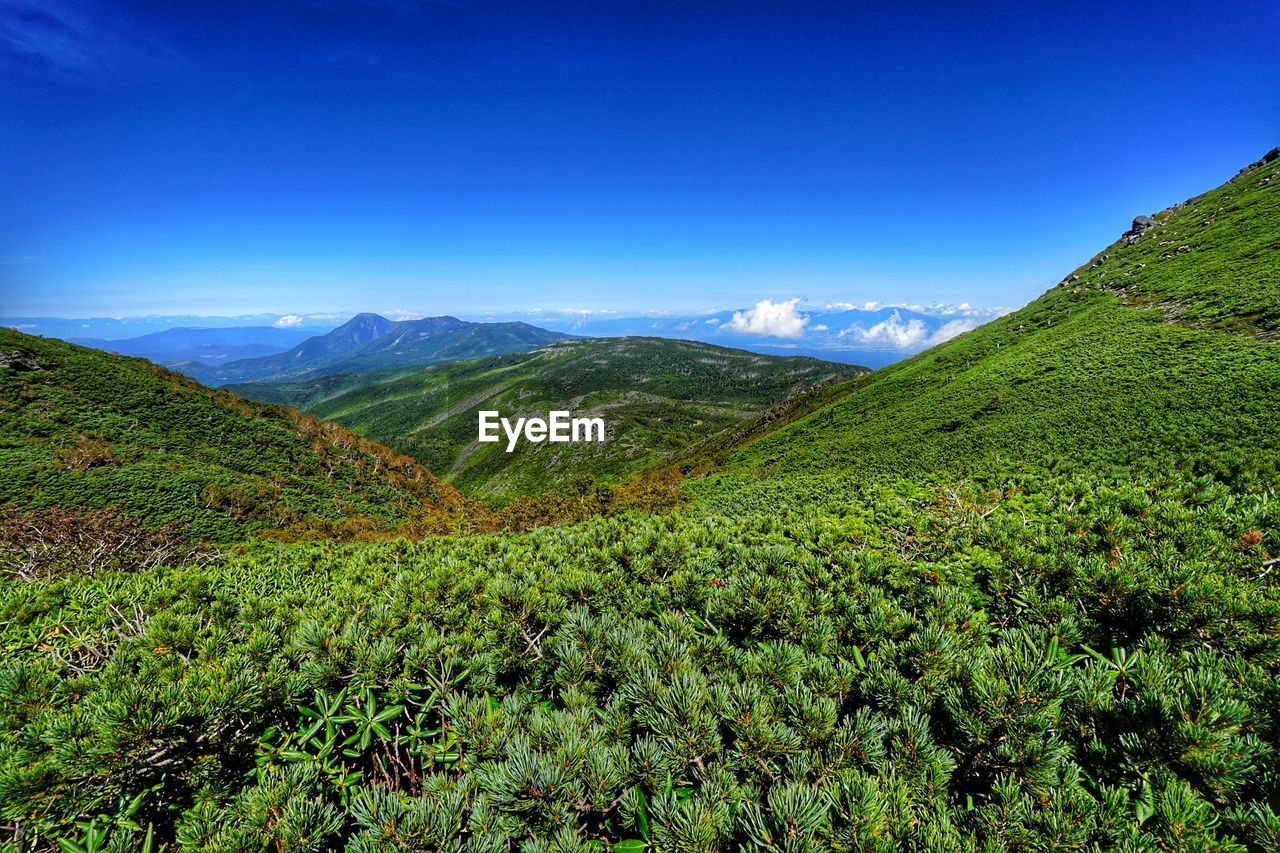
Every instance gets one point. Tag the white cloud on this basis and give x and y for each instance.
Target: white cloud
(891, 332)
(288, 321)
(964, 309)
(770, 319)
(951, 328)
(821, 327)
(913, 334)
(402, 314)
(714, 321)
(870, 305)
(588, 312)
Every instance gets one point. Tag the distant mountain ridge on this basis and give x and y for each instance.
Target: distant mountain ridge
(211, 346)
(869, 334)
(128, 328)
(372, 342)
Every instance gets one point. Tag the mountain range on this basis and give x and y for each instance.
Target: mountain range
(372, 342)
(125, 328)
(659, 398)
(871, 335)
(204, 346)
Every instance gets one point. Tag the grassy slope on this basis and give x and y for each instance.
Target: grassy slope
(94, 430)
(657, 398)
(857, 665)
(1148, 352)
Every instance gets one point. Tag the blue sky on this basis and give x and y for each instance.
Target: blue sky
(471, 158)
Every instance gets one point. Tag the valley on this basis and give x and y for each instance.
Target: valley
(658, 397)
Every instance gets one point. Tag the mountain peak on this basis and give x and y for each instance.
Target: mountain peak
(367, 319)
(370, 341)
(364, 327)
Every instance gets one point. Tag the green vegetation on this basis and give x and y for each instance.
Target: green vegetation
(1208, 262)
(659, 398)
(95, 431)
(1019, 593)
(1088, 375)
(1049, 665)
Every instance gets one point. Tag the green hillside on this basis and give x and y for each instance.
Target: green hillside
(92, 431)
(1019, 593)
(658, 398)
(1163, 347)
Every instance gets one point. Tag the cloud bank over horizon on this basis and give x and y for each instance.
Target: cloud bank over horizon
(897, 333)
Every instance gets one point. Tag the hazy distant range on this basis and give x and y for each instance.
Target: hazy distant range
(870, 335)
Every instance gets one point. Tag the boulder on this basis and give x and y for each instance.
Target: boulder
(18, 360)
(1270, 157)
(1137, 229)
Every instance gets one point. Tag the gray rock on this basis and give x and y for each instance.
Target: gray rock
(19, 360)
(1270, 157)
(1140, 225)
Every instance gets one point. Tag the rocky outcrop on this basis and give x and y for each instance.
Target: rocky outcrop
(1270, 157)
(1141, 224)
(18, 360)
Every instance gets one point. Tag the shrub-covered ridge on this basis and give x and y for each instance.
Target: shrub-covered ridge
(93, 431)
